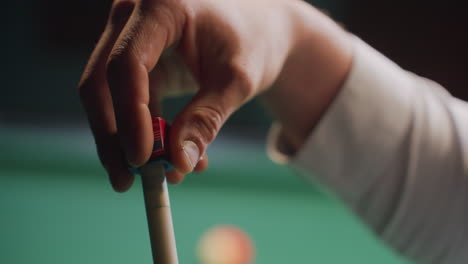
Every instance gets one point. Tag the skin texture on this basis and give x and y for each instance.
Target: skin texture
(228, 52)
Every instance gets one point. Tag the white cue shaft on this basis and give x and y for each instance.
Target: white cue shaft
(158, 213)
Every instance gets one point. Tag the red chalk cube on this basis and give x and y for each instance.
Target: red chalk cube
(159, 133)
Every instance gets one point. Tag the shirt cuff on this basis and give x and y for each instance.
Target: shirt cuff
(356, 125)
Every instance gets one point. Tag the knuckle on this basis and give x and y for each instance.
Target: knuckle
(121, 54)
(242, 81)
(108, 150)
(117, 63)
(207, 121)
(170, 15)
(105, 160)
(86, 88)
(120, 12)
(114, 64)
(156, 4)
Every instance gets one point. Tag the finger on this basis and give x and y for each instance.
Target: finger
(137, 50)
(200, 121)
(171, 77)
(202, 165)
(174, 177)
(97, 101)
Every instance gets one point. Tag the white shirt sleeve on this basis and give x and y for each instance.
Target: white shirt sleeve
(393, 146)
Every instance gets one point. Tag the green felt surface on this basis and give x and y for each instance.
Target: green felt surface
(57, 207)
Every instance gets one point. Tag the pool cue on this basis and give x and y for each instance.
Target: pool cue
(158, 210)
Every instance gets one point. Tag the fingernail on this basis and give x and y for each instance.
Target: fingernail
(192, 154)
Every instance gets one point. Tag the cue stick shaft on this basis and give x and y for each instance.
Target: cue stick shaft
(158, 213)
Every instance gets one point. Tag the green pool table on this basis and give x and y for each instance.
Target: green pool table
(56, 207)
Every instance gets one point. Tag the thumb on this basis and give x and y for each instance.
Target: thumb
(198, 124)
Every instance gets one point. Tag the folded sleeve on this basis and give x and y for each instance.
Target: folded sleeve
(393, 146)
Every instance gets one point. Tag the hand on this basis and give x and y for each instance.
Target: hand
(232, 51)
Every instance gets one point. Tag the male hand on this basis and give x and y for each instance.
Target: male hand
(228, 51)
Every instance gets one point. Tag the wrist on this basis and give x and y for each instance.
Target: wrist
(312, 74)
